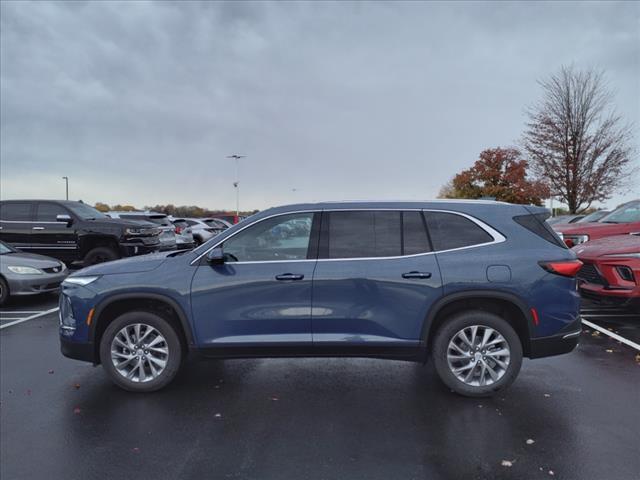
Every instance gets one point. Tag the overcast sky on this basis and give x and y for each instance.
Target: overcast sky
(140, 102)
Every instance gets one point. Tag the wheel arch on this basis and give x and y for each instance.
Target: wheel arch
(88, 242)
(509, 306)
(113, 306)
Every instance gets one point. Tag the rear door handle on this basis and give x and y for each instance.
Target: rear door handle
(37, 228)
(290, 276)
(416, 275)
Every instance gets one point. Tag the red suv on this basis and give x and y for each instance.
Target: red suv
(610, 273)
(622, 221)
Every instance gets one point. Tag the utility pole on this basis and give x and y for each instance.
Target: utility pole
(236, 184)
(66, 181)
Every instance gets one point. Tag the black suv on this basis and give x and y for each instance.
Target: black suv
(73, 231)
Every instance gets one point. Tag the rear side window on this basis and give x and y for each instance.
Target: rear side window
(15, 212)
(414, 233)
(449, 231)
(538, 225)
(361, 234)
(47, 212)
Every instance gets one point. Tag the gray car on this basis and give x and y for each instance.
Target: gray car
(168, 234)
(28, 273)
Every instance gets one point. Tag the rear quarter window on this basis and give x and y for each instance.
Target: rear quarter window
(449, 231)
(537, 224)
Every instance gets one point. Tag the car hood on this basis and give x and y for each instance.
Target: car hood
(597, 229)
(605, 246)
(119, 222)
(21, 259)
(142, 263)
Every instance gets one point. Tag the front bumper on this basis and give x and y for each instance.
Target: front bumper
(78, 351)
(130, 250)
(563, 342)
(611, 298)
(35, 284)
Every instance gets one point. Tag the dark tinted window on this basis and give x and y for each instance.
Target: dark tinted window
(47, 212)
(414, 234)
(364, 234)
(19, 212)
(449, 230)
(538, 225)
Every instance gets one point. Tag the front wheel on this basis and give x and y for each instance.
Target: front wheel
(100, 255)
(4, 291)
(140, 351)
(477, 353)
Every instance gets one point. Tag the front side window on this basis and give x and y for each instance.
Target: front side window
(449, 231)
(48, 212)
(84, 211)
(285, 237)
(15, 212)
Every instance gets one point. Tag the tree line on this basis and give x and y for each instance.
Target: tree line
(575, 148)
(188, 211)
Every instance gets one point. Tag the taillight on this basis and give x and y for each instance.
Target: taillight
(178, 230)
(566, 268)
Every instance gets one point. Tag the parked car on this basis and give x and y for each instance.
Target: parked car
(167, 230)
(204, 229)
(27, 273)
(594, 216)
(72, 231)
(611, 271)
(475, 284)
(564, 219)
(184, 233)
(622, 221)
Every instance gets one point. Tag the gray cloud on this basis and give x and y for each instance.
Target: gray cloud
(140, 102)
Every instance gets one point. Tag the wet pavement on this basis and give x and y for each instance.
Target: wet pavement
(569, 417)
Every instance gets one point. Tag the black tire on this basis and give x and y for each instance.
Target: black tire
(4, 291)
(100, 255)
(173, 362)
(197, 241)
(448, 331)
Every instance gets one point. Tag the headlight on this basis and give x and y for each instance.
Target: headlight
(142, 231)
(81, 280)
(24, 270)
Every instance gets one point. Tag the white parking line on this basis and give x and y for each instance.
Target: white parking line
(620, 338)
(18, 311)
(26, 319)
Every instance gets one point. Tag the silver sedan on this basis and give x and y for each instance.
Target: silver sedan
(27, 273)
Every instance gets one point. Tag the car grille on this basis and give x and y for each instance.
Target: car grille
(57, 269)
(589, 273)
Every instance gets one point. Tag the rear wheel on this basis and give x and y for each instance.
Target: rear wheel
(4, 291)
(140, 351)
(100, 255)
(477, 353)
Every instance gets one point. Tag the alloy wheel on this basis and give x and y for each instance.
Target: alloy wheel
(478, 355)
(139, 352)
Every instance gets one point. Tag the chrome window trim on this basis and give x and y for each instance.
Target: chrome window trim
(497, 236)
(29, 221)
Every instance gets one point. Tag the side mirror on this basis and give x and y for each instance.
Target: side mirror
(215, 256)
(64, 218)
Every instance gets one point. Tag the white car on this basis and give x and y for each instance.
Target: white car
(205, 228)
(184, 233)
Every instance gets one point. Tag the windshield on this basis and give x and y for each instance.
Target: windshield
(4, 249)
(85, 212)
(215, 224)
(593, 217)
(625, 214)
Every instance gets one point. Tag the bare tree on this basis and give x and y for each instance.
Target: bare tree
(576, 141)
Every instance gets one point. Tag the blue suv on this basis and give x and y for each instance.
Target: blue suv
(475, 284)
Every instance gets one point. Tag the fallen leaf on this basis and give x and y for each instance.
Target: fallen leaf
(508, 463)
(77, 410)
(50, 372)
(218, 415)
(551, 473)
(609, 350)
(216, 386)
(135, 450)
(77, 386)
(547, 395)
(595, 334)
(274, 398)
(530, 441)
(637, 360)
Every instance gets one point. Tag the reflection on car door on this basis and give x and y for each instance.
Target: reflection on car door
(261, 296)
(375, 279)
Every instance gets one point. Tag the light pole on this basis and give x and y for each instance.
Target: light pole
(66, 181)
(236, 184)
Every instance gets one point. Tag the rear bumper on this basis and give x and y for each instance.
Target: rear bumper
(78, 351)
(563, 342)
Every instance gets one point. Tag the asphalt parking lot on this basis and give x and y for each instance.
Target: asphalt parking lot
(569, 417)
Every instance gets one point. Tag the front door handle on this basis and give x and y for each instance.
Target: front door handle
(37, 228)
(290, 276)
(416, 275)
